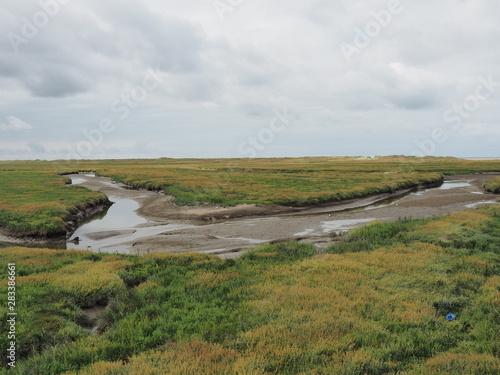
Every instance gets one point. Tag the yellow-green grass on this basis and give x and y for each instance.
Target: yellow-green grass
(34, 188)
(493, 185)
(36, 202)
(286, 181)
(281, 309)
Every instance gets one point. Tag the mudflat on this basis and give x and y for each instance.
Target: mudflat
(229, 231)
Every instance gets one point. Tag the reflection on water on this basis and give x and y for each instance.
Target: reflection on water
(447, 185)
(119, 216)
(77, 181)
(453, 185)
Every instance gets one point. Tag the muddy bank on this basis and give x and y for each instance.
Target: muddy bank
(8, 239)
(163, 208)
(156, 224)
(74, 220)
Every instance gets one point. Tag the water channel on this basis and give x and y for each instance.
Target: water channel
(123, 230)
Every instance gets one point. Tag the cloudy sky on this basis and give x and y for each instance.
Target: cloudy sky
(248, 78)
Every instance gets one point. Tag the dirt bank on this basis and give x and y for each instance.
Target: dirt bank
(74, 220)
(163, 208)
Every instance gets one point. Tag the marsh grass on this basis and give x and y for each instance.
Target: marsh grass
(280, 309)
(36, 203)
(493, 185)
(468, 231)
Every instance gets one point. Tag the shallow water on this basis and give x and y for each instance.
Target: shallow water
(447, 185)
(120, 224)
(77, 181)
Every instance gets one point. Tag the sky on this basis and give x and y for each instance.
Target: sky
(97, 79)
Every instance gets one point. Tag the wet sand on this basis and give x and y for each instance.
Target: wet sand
(229, 231)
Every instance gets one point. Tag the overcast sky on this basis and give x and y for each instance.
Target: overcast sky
(248, 78)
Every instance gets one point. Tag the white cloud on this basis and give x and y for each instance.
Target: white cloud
(15, 124)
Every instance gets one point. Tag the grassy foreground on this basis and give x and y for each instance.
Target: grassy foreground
(375, 304)
(34, 200)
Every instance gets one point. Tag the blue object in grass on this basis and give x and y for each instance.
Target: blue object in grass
(450, 317)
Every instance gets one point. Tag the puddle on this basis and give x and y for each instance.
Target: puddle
(80, 180)
(77, 181)
(475, 205)
(447, 185)
(343, 225)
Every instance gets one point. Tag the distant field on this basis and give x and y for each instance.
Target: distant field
(33, 187)
(374, 304)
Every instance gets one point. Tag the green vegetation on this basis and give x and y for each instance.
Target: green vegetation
(493, 185)
(34, 200)
(37, 203)
(285, 181)
(375, 306)
(459, 234)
